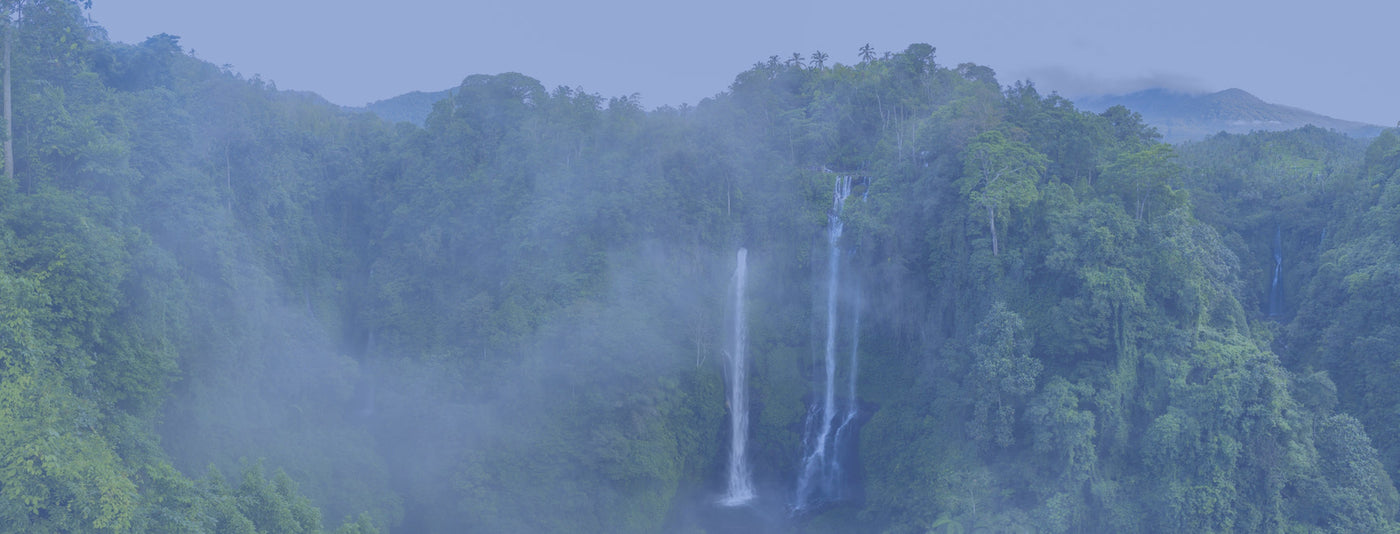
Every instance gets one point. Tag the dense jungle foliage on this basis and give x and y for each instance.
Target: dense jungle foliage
(229, 308)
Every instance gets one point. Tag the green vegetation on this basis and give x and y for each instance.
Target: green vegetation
(227, 308)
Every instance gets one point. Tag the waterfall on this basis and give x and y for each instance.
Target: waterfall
(1275, 289)
(820, 476)
(740, 487)
(852, 407)
(365, 388)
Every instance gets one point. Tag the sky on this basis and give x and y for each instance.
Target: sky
(1337, 58)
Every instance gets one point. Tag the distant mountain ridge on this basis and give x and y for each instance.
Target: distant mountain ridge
(1179, 116)
(1191, 117)
(411, 107)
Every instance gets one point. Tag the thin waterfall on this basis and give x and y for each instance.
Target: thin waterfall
(366, 385)
(740, 488)
(852, 407)
(820, 461)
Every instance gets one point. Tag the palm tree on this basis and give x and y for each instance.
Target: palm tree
(796, 59)
(8, 28)
(867, 53)
(819, 59)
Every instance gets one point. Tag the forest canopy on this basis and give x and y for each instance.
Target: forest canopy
(230, 308)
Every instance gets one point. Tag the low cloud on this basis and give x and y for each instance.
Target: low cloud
(1074, 84)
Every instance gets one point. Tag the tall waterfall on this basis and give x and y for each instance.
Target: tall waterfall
(820, 476)
(740, 487)
(1275, 289)
(852, 408)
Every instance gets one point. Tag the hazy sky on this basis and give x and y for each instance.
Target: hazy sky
(1338, 58)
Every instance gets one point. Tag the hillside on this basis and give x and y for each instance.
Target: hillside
(412, 107)
(1192, 117)
(229, 308)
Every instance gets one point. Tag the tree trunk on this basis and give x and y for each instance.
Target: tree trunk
(228, 178)
(992, 222)
(9, 130)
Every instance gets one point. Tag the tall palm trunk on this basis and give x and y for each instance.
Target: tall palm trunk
(9, 130)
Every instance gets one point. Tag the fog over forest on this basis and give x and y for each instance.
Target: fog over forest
(894, 296)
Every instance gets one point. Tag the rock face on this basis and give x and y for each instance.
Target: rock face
(1184, 117)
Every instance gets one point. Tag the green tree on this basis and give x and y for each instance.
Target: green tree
(1358, 496)
(1128, 130)
(1000, 174)
(867, 53)
(274, 505)
(1003, 373)
(1143, 177)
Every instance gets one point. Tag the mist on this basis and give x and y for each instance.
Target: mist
(956, 305)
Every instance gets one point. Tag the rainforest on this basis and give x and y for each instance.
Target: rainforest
(890, 296)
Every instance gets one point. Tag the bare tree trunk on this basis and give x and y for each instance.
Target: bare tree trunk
(9, 130)
(992, 222)
(228, 178)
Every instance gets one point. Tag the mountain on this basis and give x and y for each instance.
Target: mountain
(1178, 116)
(408, 107)
(1192, 117)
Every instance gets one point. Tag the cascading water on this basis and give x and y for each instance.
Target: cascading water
(852, 408)
(740, 486)
(366, 382)
(820, 474)
(1275, 289)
